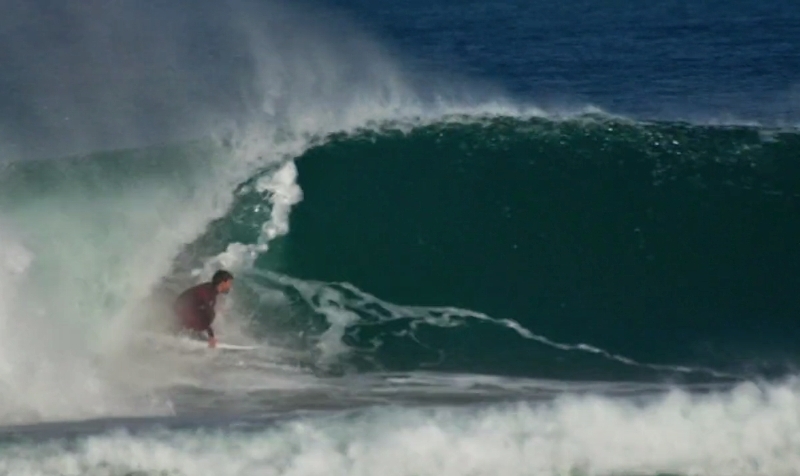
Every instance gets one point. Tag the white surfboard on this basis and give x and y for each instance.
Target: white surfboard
(189, 343)
(226, 346)
(201, 344)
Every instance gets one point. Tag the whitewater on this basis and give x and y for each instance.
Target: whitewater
(362, 366)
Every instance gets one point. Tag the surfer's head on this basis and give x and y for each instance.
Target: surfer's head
(222, 280)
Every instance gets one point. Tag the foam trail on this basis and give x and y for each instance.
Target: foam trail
(748, 431)
(336, 300)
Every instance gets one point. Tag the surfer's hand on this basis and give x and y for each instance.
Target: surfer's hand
(212, 342)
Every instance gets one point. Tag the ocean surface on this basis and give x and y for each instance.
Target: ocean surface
(469, 238)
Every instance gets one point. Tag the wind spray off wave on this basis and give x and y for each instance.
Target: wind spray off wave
(101, 230)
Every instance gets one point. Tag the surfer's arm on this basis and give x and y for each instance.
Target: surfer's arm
(208, 318)
(205, 310)
(212, 341)
(208, 314)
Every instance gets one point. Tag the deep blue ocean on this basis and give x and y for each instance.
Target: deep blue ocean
(468, 238)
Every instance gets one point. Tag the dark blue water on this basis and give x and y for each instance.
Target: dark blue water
(674, 59)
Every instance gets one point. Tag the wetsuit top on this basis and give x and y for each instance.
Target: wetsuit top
(195, 306)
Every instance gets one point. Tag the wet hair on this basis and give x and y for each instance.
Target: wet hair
(220, 277)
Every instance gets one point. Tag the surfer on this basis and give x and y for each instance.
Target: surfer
(194, 307)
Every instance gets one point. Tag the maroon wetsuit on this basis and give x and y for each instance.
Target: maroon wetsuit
(195, 308)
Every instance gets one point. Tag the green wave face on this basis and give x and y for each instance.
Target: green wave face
(665, 242)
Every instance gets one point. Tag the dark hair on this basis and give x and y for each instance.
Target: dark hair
(220, 277)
